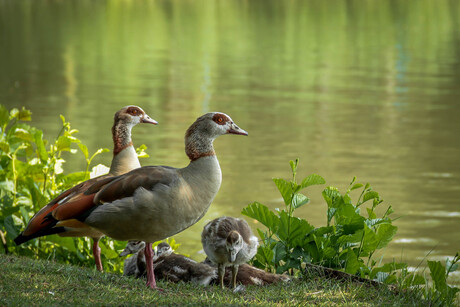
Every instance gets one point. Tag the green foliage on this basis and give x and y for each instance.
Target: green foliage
(282, 247)
(442, 292)
(347, 242)
(31, 174)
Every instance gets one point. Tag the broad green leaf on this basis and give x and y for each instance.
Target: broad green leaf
(84, 150)
(279, 252)
(107, 251)
(264, 255)
(292, 231)
(299, 200)
(370, 241)
(41, 150)
(347, 216)
(13, 226)
(262, 214)
(313, 179)
(24, 201)
(385, 234)
(330, 213)
(351, 238)
(63, 143)
(285, 189)
(376, 222)
(321, 231)
(263, 235)
(370, 195)
(329, 252)
(352, 265)
(332, 197)
(438, 274)
(4, 116)
(23, 134)
(25, 213)
(356, 186)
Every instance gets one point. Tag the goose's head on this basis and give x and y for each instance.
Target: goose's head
(133, 115)
(234, 244)
(161, 250)
(201, 134)
(214, 124)
(132, 247)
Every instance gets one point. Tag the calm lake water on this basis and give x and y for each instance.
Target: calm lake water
(354, 88)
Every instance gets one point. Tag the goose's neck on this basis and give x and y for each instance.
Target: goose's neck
(124, 155)
(197, 146)
(121, 134)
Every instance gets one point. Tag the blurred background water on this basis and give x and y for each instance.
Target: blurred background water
(352, 88)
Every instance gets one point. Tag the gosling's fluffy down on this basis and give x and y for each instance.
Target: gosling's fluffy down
(167, 265)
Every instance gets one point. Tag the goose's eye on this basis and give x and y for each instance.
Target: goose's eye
(219, 119)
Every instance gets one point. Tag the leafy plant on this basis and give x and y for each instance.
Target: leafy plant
(442, 292)
(31, 174)
(347, 242)
(282, 247)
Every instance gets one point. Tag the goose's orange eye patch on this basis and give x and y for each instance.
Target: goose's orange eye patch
(220, 119)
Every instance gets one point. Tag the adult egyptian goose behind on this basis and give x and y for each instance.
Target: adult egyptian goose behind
(154, 202)
(228, 241)
(124, 160)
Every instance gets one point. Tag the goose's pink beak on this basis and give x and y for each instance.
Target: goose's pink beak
(234, 129)
(148, 120)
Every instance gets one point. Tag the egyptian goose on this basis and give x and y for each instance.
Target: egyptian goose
(152, 202)
(228, 241)
(124, 160)
(167, 265)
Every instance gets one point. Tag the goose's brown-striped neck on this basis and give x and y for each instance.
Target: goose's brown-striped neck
(121, 137)
(124, 155)
(198, 145)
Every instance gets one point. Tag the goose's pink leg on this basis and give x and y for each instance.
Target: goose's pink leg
(149, 264)
(97, 254)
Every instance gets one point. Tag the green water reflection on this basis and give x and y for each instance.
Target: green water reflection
(353, 88)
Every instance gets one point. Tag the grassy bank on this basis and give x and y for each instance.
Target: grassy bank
(26, 282)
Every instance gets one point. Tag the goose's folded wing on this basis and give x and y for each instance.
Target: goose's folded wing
(69, 203)
(126, 185)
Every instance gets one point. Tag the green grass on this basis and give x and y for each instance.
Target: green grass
(25, 282)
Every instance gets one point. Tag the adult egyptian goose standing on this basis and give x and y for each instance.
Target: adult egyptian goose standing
(124, 160)
(153, 202)
(228, 241)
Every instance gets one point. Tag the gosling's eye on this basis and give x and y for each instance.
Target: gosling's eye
(220, 120)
